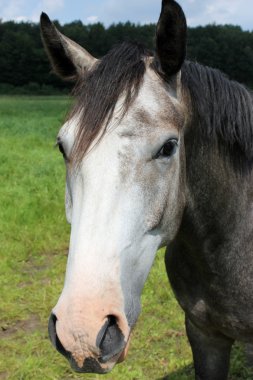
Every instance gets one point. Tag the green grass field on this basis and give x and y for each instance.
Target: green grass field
(34, 241)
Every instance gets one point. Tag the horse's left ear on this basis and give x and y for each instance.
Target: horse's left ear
(69, 60)
(171, 38)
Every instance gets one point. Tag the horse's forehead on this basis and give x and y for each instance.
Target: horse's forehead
(156, 105)
(155, 108)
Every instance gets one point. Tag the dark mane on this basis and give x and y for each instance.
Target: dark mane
(120, 71)
(223, 109)
(224, 112)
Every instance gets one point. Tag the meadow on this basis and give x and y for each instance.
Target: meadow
(34, 244)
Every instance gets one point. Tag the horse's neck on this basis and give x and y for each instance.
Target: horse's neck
(219, 200)
(214, 244)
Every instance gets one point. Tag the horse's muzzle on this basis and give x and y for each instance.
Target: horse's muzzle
(109, 349)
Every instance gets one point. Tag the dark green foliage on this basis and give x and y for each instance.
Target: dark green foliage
(24, 67)
(227, 48)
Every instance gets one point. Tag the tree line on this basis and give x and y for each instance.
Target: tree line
(24, 67)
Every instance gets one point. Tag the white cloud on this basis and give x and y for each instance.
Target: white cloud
(21, 18)
(221, 10)
(139, 11)
(202, 12)
(92, 19)
(12, 9)
(28, 10)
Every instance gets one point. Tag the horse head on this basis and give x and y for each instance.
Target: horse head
(124, 154)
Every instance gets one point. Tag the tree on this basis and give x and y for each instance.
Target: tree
(24, 61)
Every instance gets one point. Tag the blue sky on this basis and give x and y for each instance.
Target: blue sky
(198, 12)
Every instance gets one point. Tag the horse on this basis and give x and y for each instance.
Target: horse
(158, 153)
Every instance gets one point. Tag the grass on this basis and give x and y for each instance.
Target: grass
(34, 241)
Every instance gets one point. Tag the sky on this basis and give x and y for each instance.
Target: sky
(198, 12)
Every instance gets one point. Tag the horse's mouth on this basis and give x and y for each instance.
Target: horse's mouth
(103, 365)
(90, 365)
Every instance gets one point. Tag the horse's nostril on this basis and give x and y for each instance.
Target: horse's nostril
(53, 336)
(110, 339)
(112, 320)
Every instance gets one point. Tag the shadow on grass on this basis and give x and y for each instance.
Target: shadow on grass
(186, 373)
(241, 366)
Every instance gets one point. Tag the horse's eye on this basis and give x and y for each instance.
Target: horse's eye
(168, 149)
(61, 149)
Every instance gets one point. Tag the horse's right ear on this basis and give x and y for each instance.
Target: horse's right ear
(69, 60)
(171, 38)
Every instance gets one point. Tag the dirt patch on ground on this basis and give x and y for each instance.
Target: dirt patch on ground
(30, 325)
(34, 264)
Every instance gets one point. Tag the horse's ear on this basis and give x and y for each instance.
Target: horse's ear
(171, 38)
(69, 60)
